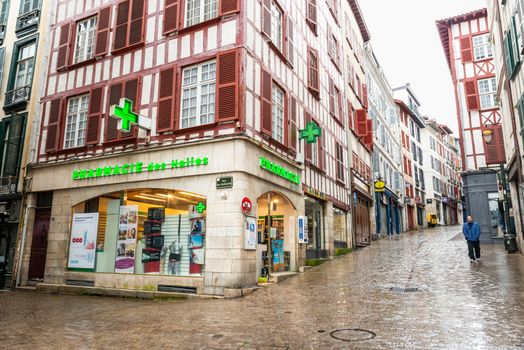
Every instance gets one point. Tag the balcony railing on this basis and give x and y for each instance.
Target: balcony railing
(8, 184)
(27, 21)
(17, 97)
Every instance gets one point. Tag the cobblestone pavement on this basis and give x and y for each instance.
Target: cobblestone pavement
(459, 305)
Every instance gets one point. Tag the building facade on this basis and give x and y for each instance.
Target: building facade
(212, 188)
(383, 111)
(23, 44)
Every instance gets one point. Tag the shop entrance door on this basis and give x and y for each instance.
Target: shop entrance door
(39, 244)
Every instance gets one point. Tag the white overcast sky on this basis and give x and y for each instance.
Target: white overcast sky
(405, 40)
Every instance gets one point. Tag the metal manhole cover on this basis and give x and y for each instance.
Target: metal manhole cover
(402, 290)
(352, 334)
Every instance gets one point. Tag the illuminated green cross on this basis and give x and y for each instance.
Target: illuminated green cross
(200, 207)
(124, 111)
(311, 132)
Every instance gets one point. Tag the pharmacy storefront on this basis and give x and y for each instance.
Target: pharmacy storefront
(167, 220)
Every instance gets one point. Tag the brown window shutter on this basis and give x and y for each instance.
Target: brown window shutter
(361, 123)
(495, 152)
(368, 138)
(54, 125)
(115, 93)
(322, 152)
(226, 7)
(132, 92)
(466, 51)
(340, 107)
(165, 119)
(122, 25)
(308, 146)
(329, 43)
(266, 17)
(350, 115)
(292, 124)
(365, 96)
(331, 97)
(290, 50)
(227, 85)
(64, 46)
(312, 15)
(136, 23)
(171, 8)
(313, 77)
(96, 99)
(266, 96)
(472, 99)
(102, 31)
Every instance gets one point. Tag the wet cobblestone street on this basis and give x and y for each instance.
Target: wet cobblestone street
(458, 305)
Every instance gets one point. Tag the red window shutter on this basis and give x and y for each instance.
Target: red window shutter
(495, 152)
(466, 50)
(170, 24)
(361, 122)
(340, 107)
(322, 152)
(313, 78)
(102, 31)
(290, 50)
(472, 98)
(266, 17)
(115, 93)
(64, 46)
(292, 124)
(330, 43)
(368, 138)
(227, 85)
(331, 97)
(54, 125)
(96, 99)
(365, 96)
(308, 146)
(122, 25)
(312, 15)
(266, 103)
(131, 92)
(165, 120)
(226, 7)
(136, 24)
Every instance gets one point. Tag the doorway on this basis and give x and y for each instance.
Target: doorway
(39, 244)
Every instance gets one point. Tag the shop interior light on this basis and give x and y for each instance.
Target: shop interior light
(149, 198)
(191, 194)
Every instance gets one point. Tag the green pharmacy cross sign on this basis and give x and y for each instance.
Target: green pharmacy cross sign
(311, 132)
(124, 112)
(200, 207)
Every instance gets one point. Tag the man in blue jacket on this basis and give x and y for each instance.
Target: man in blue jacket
(471, 232)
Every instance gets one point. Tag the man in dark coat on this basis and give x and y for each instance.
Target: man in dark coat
(471, 232)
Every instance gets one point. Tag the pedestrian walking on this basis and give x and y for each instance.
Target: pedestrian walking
(471, 231)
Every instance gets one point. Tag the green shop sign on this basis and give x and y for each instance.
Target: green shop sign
(137, 168)
(279, 171)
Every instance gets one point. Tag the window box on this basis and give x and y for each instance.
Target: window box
(27, 22)
(17, 99)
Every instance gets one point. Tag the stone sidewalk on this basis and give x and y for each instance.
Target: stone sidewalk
(414, 291)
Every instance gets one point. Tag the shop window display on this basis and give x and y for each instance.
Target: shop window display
(141, 232)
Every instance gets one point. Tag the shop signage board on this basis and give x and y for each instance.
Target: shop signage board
(247, 206)
(126, 243)
(302, 229)
(380, 186)
(315, 193)
(311, 132)
(279, 171)
(82, 246)
(250, 233)
(125, 115)
(224, 182)
(138, 167)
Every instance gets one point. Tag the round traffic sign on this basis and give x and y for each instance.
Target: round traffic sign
(246, 205)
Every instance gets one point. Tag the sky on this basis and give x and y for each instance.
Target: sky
(405, 40)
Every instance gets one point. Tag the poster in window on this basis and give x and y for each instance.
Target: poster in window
(127, 235)
(82, 246)
(250, 233)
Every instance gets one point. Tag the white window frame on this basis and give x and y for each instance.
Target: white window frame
(278, 98)
(76, 121)
(487, 93)
(29, 66)
(85, 39)
(482, 47)
(202, 10)
(277, 26)
(199, 90)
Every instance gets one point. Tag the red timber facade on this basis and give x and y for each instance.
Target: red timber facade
(468, 51)
(226, 87)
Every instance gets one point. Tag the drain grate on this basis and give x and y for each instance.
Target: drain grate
(402, 290)
(352, 334)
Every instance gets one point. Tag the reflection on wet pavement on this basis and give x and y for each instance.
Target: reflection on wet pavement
(360, 301)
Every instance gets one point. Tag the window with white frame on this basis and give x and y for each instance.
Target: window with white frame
(487, 93)
(198, 11)
(198, 94)
(276, 25)
(25, 65)
(482, 47)
(76, 121)
(85, 40)
(277, 119)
